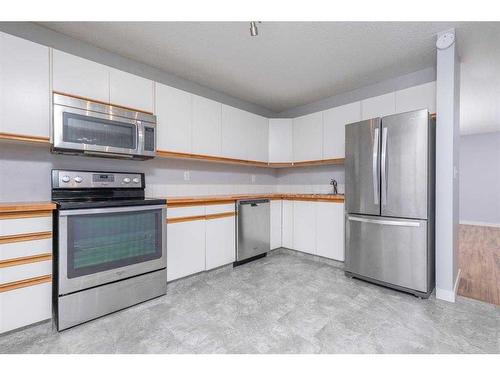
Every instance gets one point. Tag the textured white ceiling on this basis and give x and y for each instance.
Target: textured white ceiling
(295, 63)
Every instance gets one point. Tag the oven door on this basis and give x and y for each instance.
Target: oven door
(95, 132)
(102, 245)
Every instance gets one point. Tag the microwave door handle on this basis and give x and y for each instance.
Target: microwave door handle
(383, 161)
(375, 166)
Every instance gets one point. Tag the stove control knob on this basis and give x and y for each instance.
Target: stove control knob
(78, 179)
(65, 179)
(136, 180)
(126, 180)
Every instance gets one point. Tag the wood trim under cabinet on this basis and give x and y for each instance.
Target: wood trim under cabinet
(24, 138)
(339, 161)
(184, 219)
(215, 159)
(26, 206)
(25, 214)
(25, 260)
(219, 216)
(25, 237)
(25, 283)
(200, 202)
(280, 165)
(101, 102)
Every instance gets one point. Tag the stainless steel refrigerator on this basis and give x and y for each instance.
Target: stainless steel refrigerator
(389, 201)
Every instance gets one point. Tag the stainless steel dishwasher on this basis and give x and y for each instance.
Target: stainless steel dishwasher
(252, 229)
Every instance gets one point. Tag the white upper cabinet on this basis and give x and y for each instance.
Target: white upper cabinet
(378, 106)
(417, 97)
(130, 91)
(308, 137)
(334, 121)
(258, 138)
(24, 87)
(280, 140)
(206, 126)
(173, 111)
(76, 76)
(234, 133)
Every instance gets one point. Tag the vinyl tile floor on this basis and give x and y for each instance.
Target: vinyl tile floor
(284, 303)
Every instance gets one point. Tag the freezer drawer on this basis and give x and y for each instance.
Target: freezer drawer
(253, 228)
(392, 251)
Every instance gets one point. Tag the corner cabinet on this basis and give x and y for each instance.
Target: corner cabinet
(281, 140)
(206, 126)
(24, 87)
(275, 210)
(308, 137)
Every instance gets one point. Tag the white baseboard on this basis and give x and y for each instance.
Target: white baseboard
(449, 295)
(480, 224)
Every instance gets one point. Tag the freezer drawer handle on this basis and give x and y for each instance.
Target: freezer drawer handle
(375, 165)
(385, 222)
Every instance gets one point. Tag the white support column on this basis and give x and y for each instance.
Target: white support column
(447, 154)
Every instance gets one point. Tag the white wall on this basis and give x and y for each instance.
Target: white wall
(480, 178)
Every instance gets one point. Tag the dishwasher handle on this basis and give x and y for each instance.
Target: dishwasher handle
(253, 202)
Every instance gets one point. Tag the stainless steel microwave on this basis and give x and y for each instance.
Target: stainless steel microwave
(91, 128)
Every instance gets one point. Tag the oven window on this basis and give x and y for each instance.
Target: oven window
(96, 131)
(101, 242)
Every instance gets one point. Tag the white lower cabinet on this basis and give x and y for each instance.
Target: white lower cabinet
(24, 306)
(287, 224)
(304, 226)
(220, 242)
(330, 230)
(185, 248)
(275, 239)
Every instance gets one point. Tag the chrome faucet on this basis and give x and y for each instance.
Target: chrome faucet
(334, 184)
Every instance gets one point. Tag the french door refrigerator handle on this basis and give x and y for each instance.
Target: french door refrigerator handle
(383, 158)
(376, 192)
(385, 222)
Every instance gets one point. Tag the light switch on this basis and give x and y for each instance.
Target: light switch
(187, 176)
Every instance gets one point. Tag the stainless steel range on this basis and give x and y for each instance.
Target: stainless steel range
(109, 242)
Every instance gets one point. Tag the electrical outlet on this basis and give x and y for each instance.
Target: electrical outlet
(187, 176)
(253, 179)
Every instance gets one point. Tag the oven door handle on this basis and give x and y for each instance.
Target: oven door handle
(107, 210)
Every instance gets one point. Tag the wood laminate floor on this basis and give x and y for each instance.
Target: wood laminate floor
(479, 261)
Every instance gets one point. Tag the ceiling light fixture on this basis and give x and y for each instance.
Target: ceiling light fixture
(254, 31)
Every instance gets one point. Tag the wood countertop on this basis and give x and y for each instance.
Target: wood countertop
(221, 199)
(26, 206)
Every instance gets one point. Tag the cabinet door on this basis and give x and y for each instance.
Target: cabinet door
(24, 87)
(130, 91)
(258, 138)
(24, 306)
(234, 133)
(275, 224)
(280, 140)
(378, 106)
(185, 248)
(304, 226)
(173, 111)
(76, 76)
(417, 97)
(287, 224)
(206, 129)
(330, 230)
(334, 122)
(308, 137)
(220, 242)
